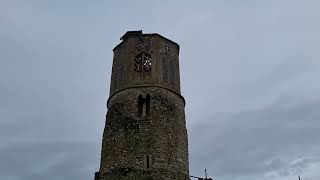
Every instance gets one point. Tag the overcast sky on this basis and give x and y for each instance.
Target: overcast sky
(249, 73)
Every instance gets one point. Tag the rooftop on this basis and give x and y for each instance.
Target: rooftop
(140, 34)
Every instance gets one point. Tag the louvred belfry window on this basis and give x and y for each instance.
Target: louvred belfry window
(143, 62)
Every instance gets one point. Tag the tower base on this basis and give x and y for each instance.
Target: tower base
(136, 174)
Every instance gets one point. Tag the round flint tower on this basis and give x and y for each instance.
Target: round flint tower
(145, 136)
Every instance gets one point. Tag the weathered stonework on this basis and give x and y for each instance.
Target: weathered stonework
(145, 136)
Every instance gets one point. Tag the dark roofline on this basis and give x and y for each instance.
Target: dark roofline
(131, 33)
(139, 33)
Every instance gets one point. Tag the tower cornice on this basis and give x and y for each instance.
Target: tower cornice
(142, 86)
(140, 34)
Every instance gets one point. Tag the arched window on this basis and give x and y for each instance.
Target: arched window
(143, 106)
(143, 62)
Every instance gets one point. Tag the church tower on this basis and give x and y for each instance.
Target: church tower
(145, 136)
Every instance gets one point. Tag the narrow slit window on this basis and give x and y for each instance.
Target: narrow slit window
(148, 162)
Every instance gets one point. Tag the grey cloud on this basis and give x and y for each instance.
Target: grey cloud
(249, 72)
(260, 141)
(49, 160)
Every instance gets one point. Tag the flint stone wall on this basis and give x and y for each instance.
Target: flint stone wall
(161, 135)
